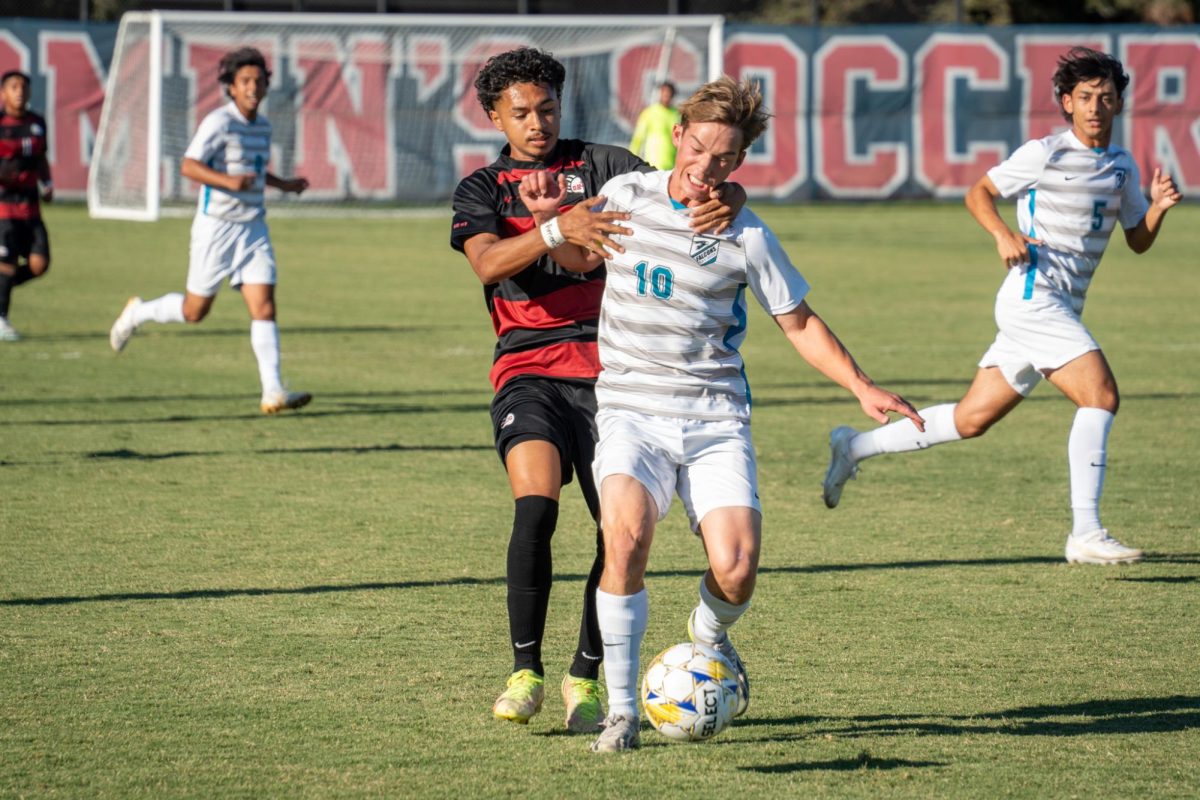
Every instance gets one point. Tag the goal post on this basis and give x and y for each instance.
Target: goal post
(377, 111)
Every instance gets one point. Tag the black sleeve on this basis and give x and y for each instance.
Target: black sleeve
(616, 161)
(474, 211)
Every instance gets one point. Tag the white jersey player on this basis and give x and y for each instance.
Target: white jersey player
(1072, 190)
(228, 156)
(674, 407)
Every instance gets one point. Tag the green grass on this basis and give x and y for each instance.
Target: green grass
(199, 601)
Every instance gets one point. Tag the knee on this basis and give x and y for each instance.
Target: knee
(626, 549)
(735, 578)
(972, 426)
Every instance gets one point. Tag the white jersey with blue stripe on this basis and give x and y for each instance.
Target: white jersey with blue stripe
(1070, 196)
(674, 310)
(228, 142)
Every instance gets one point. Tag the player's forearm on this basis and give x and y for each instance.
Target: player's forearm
(501, 259)
(202, 173)
(821, 348)
(981, 204)
(1141, 237)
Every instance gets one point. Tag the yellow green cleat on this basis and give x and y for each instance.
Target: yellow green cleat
(581, 696)
(523, 697)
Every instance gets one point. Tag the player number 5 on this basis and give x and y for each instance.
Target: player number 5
(1098, 214)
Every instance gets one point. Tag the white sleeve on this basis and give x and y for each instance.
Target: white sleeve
(205, 143)
(1021, 170)
(776, 283)
(1133, 203)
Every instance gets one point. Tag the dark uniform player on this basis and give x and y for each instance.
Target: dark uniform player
(545, 363)
(24, 245)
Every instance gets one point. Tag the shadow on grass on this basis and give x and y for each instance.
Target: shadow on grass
(307, 413)
(1170, 714)
(200, 594)
(863, 761)
(124, 454)
(125, 400)
(201, 331)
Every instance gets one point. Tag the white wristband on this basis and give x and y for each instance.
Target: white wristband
(551, 235)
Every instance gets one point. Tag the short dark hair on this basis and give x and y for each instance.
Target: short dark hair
(234, 60)
(523, 65)
(15, 73)
(1083, 65)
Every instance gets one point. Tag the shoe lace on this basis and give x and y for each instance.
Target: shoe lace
(522, 684)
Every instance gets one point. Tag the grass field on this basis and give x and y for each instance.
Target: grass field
(199, 601)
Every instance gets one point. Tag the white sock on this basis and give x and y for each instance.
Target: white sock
(713, 616)
(902, 436)
(623, 621)
(168, 308)
(264, 338)
(1087, 455)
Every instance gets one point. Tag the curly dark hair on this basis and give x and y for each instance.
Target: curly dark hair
(1083, 64)
(523, 65)
(234, 60)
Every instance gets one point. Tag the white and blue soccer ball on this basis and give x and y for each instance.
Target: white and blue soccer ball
(690, 692)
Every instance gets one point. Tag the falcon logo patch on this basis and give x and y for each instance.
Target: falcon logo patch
(509, 420)
(704, 250)
(574, 184)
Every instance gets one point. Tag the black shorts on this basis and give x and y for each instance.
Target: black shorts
(21, 238)
(560, 412)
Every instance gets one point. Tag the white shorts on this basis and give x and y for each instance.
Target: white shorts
(710, 463)
(1039, 334)
(239, 251)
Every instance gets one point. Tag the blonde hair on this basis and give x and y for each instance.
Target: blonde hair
(727, 101)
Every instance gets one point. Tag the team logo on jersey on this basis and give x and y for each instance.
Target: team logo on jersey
(574, 184)
(37, 130)
(509, 420)
(704, 250)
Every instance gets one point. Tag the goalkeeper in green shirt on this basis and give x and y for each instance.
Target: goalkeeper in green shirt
(652, 135)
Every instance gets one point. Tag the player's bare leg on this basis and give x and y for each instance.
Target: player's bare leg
(1089, 383)
(264, 339)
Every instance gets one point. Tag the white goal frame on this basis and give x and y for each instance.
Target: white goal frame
(139, 113)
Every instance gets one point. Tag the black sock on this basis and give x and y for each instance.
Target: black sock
(23, 273)
(6, 285)
(591, 647)
(530, 573)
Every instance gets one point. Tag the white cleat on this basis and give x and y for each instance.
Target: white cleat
(284, 401)
(122, 330)
(841, 466)
(7, 332)
(1097, 547)
(620, 733)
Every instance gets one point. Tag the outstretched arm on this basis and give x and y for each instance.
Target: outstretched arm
(1013, 247)
(1163, 196)
(296, 185)
(818, 345)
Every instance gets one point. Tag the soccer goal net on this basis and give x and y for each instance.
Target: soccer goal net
(377, 111)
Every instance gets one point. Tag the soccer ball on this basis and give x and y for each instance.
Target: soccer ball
(690, 692)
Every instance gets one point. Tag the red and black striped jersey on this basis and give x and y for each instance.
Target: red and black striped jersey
(22, 148)
(545, 317)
